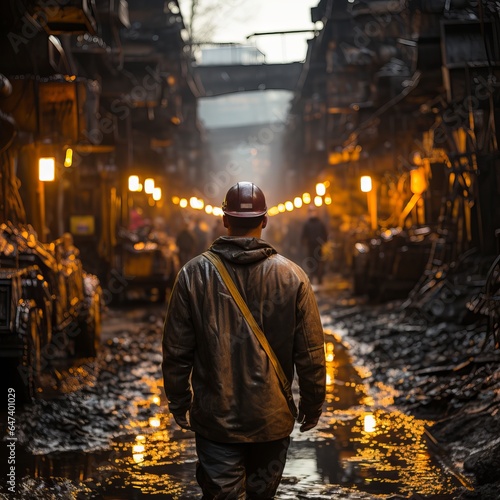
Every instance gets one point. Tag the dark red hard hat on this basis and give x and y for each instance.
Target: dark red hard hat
(244, 199)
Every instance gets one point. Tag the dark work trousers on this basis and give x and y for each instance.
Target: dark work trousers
(237, 471)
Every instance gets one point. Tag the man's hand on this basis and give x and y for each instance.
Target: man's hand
(307, 423)
(183, 420)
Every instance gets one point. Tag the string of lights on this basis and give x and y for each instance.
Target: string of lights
(320, 198)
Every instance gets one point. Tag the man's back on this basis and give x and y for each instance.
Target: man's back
(237, 396)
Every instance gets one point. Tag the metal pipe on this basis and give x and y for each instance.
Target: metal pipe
(280, 32)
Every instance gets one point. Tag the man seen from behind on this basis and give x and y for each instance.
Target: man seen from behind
(218, 379)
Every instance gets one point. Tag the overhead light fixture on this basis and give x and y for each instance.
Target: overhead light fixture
(366, 183)
(133, 183)
(320, 189)
(46, 169)
(157, 194)
(68, 159)
(149, 186)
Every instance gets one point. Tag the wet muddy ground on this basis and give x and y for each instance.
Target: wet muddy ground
(411, 412)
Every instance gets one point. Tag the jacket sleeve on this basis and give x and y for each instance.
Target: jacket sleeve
(309, 353)
(178, 346)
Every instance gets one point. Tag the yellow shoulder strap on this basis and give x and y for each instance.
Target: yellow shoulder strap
(226, 278)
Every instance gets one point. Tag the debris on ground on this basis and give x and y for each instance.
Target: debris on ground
(439, 349)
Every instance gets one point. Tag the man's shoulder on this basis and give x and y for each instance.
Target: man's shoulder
(281, 259)
(192, 265)
(286, 264)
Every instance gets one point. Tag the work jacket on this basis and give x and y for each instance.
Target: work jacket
(213, 364)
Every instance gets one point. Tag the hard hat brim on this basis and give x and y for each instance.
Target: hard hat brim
(245, 215)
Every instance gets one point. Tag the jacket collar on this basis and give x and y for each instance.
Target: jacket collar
(241, 250)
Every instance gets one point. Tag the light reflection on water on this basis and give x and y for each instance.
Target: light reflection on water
(390, 458)
(361, 445)
(362, 448)
(158, 459)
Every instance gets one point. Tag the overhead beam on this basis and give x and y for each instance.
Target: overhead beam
(226, 79)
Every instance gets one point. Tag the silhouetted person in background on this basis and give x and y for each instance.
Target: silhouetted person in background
(314, 236)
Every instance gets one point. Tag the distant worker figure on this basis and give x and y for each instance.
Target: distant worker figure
(314, 236)
(242, 319)
(186, 243)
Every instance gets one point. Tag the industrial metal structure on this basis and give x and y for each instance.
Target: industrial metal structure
(405, 93)
(104, 90)
(99, 123)
(50, 308)
(91, 92)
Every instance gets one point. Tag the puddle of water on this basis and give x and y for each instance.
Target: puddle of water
(361, 449)
(150, 457)
(364, 445)
(149, 465)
